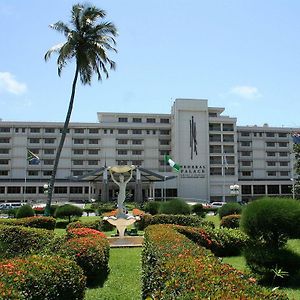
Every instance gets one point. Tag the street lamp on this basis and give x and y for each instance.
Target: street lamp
(234, 189)
(293, 187)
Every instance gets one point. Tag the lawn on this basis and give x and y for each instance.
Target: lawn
(124, 280)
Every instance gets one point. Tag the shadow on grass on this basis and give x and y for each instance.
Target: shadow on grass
(97, 280)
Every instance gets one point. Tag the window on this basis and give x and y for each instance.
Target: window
(215, 171)
(271, 154)
(227, 127)
(150, 120)
(228, 138)
(282, 135)
(281, 144)
(105, 131)
(35, 130)
(4, 151)
(259, 189)
(245, 144)
(246, 173)
(94, 130)
(3, 173)
(136, 131)
(77, 162)
(271, 173)
(49, 141)
(164, 132)
(154, 131)
(76, 189)
(60, 190)
(137, 162)
(122, 152)
(137, 142)
(34, 141)
(215, 137)
(229, 171)
(93, 141)
(164, 152)
(78, 141)
(122, 142)
(33, 173)
(61, 129)
(93, 151)
(49, 130)
(136, 152)
(246, 189)
(123, 120)
(30, 190)
(270, 144)
(215, 149)
(164, 121)
(79, 130)
(283, 164)
(137, 120)
(271, 163)
(245, 133)
(214, 126)
(4, 161)
(273, 189)
(284, 173)
(215, 160)
(230, 159)
(283, 154)
(78, 151)
(212, 115)
(270, 134)
(164, 142)
(228, 149)
(246, 163)
(16, 129)
(93, 162)
(122, 131)
(47, 173)
(4, 129)
(13, 190)
(77, 173)
(4, 140)
(111, 131)
(48, 162)
(122, 162)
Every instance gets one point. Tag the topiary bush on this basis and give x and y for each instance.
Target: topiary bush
(91, 253)
(25, 211)
(41, 277)
(175, 207)
(152, 207)
(68, 211)
(199, 210)
(21, 241)
(231, 221)
(230, 208)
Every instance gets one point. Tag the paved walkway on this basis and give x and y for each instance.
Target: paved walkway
(127, 241)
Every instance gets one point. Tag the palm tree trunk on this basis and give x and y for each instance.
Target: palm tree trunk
(61, 144)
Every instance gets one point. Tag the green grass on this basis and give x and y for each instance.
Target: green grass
(124, 280)
(213, 218)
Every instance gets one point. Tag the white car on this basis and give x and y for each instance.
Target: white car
(217, 204)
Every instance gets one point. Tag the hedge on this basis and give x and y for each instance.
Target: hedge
(91, 253)
(21, 241)
(83, 232)
(231, 221)
(36, 222)
(41, 277)
(101, 225)
(174, 267)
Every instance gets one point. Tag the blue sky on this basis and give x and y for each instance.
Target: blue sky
(243, 55)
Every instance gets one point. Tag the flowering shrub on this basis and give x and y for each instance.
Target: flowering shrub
(91, 253)
(174, 267)
(18, 240)
(138, 212)
(112, 213)
(39, 210)
(36, 222)
(101, 225)
(231, 221)
(41, 277)
(82, 232)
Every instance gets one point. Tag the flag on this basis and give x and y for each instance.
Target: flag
(172, 163)
(225, 163)
(296, 138)
(32, 158)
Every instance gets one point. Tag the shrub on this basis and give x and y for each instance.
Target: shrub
(88, 210)
(176, 268)
(82, 232)
(199, 210)
(91, 254)
(42, 277)
(35, 222)
(25, 211)
(152, 207)
(138, 212)
(20, 241)
(175, 207)
(39, 210)
(230, 208)
(101, 225)
(231, 221)
(68, 211)
(105, 207)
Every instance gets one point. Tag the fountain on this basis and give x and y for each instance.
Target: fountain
(121, 220)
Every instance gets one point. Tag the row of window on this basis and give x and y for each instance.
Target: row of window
(221, 127)
(248, 163)
(268, 144)
(268, 173)
(262, 189)
(264, 134)
(268, 153)
(40, 190)
(140, 120)
(218, 138)
(218, 149)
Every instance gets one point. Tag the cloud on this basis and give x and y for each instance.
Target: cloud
(9, 84)
(244, 91)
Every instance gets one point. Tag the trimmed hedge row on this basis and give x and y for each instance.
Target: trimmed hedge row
(21, 241)
(194, 221)
(174, 267)
(231, 221)
(83, 232)
(36, 222)
(100, 225)
(41, 277)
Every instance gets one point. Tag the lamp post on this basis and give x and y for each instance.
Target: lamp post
(235, 189)
(293, 187)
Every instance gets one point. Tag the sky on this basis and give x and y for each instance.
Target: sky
(243, 55)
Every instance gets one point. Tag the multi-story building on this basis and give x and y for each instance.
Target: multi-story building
(212, 150)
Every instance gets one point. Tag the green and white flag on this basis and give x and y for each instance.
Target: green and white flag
(172, 163)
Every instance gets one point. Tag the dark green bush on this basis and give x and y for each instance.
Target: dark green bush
(20, 241)
(231, 221)
(68, 211)
(230, 208)
(35, 222)
(199, 210)
(25, 211)
(152, 207)
(175, 207)
(88, 210)
(105, 207)
(91, 253)
(42, 277)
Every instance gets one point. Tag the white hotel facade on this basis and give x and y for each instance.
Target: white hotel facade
(214, 153)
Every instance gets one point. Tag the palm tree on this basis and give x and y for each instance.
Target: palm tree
(88, 39)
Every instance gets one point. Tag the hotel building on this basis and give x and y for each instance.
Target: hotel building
(214, 153)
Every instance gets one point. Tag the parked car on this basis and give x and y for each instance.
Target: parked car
(217, 204)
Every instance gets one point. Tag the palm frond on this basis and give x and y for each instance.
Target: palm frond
(61, 27)
(54, 49)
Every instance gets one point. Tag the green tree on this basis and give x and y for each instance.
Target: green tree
(88, 39)
(68, 211)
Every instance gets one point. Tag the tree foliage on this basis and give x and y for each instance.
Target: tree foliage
(68, 211)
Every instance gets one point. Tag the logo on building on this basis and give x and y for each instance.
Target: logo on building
(193, 138)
